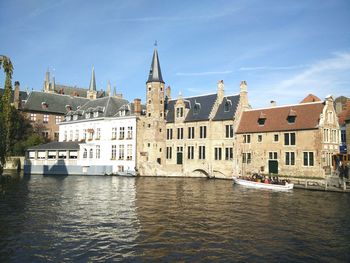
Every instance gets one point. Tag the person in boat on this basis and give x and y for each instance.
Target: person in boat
(266, 181)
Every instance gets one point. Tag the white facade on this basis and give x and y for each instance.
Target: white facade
(107, 141)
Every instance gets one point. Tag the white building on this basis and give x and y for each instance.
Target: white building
(106, 131)
(96, 139)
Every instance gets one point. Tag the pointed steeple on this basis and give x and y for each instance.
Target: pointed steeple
(155, 74)
(92, 86)
(108, 91)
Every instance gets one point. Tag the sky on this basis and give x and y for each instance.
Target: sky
(283, 49)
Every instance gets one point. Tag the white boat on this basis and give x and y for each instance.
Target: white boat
(278, 187)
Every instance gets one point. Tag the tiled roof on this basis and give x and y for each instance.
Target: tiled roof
(228, 112)
(56, 146)
(56, 103)
(205, 104)
(310, 98)
(345, 114)
(307, 117)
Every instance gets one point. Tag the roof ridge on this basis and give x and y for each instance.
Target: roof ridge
(286, 106)
(196, 96)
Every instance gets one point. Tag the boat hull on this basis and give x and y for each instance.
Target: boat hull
(277, 187)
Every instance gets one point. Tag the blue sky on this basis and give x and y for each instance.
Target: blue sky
(283, 49)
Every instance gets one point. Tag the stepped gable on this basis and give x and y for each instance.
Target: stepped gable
(227, 108)
(205, 104)
(54, 103)
(307, 117)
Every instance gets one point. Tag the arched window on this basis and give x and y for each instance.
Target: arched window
(85, 154)
(91, 155)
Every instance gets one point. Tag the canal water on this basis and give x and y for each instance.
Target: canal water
(103, 219)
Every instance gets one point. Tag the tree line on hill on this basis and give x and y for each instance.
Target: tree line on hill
(16, 131)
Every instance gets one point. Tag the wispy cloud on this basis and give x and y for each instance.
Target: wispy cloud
(178, 18)
(271, 68)
(206, 73)
(323, 72)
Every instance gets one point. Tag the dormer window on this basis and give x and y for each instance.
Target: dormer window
(44, 105)
(87, 115)
(196, 108)
(227, 106)
(68, 118)
(262, 119)
(291, 116)
(75, 117)
(95, 114)
(68, 107)
(179, 112)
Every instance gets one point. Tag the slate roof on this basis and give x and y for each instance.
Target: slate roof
(22, 94)
(69, 90)
(56, 103)
(307, 117)
(56, 146)
(222, 113)
(155, 74)
(107, 107)
(205, 102)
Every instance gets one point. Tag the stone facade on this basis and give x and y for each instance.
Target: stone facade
(300, 148)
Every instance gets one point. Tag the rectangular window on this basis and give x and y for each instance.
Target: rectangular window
(308, 158)
(45, 134)
(229, 131)
(290, 158)
(179, 112)
(76, 138)
(169, 134)
(202, 152)
(121, 152)
(217, 153)
(114, 133)
(246, 158)
(98, 133)
(121, 133)
(203, 132)
(56, 136)
(129, 133)
(228, 153)
(46, 118)
(190, 132)
(273, 155)
(58, 119)
(246, 138)
(65, 136)
(190, 152)
(259, 138)
(71, 135)
(129, 152)
(32, 117)
(114, 152)
(98, 152)
(275, 137)
(84, 134)
(180, 133)
(289, 138)
(169, 152)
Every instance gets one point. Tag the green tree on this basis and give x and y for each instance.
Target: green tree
(5, 129)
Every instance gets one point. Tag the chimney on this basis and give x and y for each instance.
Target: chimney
(243, 94)
(273, 103)
(220, 91)
(17, 99)
(168, 92)
(137, 106)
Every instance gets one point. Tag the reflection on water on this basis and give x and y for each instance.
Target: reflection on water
(79, 218)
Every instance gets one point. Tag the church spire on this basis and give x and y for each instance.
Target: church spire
(92, 86)
(155, 74)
